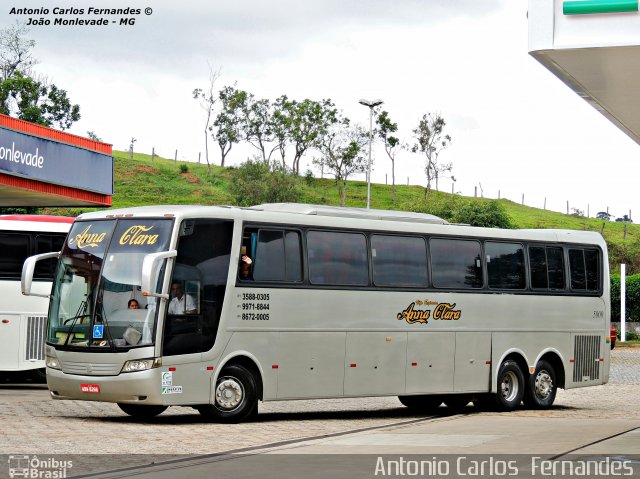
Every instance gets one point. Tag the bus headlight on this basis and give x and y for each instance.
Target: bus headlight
(52, 362)
(141, 365)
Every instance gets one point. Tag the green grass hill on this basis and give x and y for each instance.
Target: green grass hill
(144, 181)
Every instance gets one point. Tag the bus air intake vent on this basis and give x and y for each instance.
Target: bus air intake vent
(36, 331)
(587, 358)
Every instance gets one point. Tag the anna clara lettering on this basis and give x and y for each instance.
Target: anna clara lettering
(134, 235)
(441, 311)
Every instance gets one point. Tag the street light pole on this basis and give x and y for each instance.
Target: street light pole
(371, 104)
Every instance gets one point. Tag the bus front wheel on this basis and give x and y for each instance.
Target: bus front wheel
(142, 411)
(510, 386)
(542, 387)
(236, 397)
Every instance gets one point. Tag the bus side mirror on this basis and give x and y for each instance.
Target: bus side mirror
(150, 271)
(28, 268)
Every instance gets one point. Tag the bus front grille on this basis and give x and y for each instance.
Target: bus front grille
(36, 332)
(587, 358)
(91, 369)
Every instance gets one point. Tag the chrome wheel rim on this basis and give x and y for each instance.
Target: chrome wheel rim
(229, 393)
(509, 386)
(543, 385)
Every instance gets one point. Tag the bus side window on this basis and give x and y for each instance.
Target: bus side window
(455, 263)
(584, 269)
(14, 249)
(277, 256)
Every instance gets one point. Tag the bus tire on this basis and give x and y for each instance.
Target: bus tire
(542, 387)
(38, 375)
(511, 386)
(457, 402)
(142, 411)
(421, 402)
(235, 396)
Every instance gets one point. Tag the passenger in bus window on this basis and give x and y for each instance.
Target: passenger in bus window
(245, 267)
(181, 303)
(133, 304)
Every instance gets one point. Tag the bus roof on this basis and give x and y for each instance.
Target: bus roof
(350, 218)
(344, 212)
(38, 218)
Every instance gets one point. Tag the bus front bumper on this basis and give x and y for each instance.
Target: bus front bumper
(141, 387)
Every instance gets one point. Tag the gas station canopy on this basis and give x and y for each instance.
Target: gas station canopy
(593, 46)
(40, 166)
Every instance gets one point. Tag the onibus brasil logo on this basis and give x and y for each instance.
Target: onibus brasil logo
(34, 467)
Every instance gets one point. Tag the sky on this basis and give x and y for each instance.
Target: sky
(516, 129)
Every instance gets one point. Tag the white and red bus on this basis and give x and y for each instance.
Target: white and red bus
(23, 319)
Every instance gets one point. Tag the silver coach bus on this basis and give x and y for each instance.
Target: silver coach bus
(290, 301)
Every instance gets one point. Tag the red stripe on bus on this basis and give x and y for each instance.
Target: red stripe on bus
(38, 218)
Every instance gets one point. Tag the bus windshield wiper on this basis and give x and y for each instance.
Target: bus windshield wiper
(81, 313)
(102, 318)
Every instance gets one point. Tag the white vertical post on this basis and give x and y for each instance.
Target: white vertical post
(623, 293)
(369, 163)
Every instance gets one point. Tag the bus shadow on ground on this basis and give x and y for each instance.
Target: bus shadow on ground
(189, 416)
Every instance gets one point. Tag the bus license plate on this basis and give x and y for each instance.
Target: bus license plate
(90, 388)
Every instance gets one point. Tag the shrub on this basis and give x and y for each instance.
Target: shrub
(489, 214)
(308, 177)
(632, 286)
(184, 168)
(256, 182)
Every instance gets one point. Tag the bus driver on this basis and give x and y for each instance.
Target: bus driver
(181, 303)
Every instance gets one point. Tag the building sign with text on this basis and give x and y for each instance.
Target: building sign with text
(49, 161)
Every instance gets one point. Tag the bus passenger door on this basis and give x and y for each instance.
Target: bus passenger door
(473, 362)
(430, 362)
(375, 363)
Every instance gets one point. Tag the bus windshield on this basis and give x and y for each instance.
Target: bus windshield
(96, 300)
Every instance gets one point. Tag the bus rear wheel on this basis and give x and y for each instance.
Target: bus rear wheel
(142, 411)
(236, 397)
(510, 386)
(421, 402)
(542, 387)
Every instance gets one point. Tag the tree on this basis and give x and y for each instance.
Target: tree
(36, 101)
(257, 125)
(343, 153)
(207, 99)
(16, 51)
(385, 131)
(229, 119)
(430, 141)
(301, 124)
(21, 94)
(279, 126)
(93, 136)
